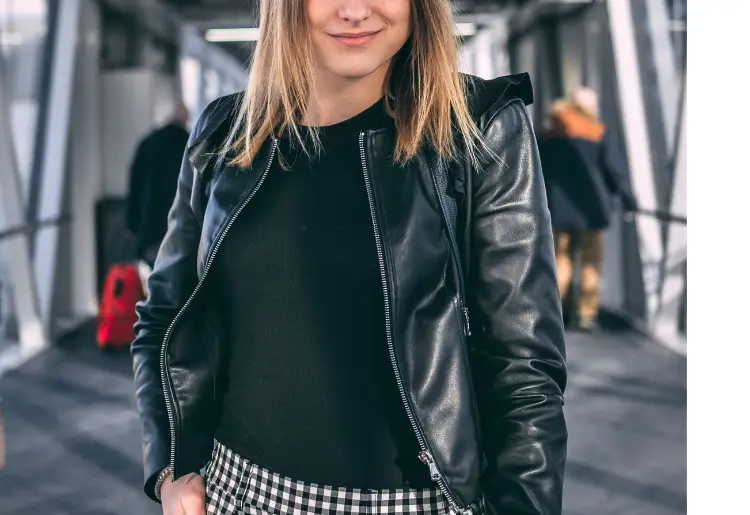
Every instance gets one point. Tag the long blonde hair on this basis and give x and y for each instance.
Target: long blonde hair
(424, 91)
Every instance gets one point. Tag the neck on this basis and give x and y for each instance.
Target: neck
(337, 99)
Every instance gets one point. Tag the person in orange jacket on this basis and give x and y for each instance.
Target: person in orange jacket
(584, 171)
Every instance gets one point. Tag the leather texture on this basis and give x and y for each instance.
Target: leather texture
(488, 405)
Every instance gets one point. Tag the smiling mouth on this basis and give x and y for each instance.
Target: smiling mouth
(355, 39)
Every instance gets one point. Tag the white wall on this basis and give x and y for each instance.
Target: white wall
(133, 101)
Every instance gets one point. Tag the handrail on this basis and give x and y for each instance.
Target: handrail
(664, 216)
(30, 228)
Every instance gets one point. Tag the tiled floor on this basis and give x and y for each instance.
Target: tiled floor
(74, 437)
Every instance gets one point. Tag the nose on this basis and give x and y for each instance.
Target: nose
(354, 10)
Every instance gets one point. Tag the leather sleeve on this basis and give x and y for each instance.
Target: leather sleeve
(170, 284)
(518, 349)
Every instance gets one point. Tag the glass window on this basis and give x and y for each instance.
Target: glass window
(23, 37)
(23, 40)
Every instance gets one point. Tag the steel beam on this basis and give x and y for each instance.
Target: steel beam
(667, 323)
(54, 153)
(15, 247)
(633, 114)
(665, 66)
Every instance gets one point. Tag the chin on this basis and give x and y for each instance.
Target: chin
(354, 70)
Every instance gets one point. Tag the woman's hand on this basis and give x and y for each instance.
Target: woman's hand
(186, 496)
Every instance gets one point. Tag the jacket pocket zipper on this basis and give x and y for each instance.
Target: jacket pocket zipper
(456, 258)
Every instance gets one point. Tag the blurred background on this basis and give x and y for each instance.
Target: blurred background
(82, 82)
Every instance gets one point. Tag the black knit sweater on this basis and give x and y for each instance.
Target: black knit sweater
(311, 393)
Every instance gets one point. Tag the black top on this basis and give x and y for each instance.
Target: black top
(311, 394)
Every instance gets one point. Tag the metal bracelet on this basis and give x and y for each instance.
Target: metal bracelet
(163, 475)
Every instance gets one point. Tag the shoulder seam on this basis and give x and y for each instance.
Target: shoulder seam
(500, 106)
(213, 116)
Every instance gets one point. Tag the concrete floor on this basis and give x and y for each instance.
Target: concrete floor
(74, 438)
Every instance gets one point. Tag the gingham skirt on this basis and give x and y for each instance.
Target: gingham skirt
(234, 486)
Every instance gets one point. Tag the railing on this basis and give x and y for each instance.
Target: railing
(7, 312)
(664, 216)
(31, 228)
(670, 321)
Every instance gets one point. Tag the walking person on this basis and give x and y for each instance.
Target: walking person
(584, 172)
(153, 182)
(355, 307)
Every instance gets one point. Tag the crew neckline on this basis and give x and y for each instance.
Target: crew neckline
(373, 117)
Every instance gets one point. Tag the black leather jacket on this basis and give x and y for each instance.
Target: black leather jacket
(486, 407)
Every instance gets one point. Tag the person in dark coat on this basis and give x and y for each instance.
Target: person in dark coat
(153, 182)
(584, 172)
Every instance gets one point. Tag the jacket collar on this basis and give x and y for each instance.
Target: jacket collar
(486, 98)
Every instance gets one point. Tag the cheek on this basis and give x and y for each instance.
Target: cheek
(315, 12)
(399, 15)
(401, 33)
(401, 12)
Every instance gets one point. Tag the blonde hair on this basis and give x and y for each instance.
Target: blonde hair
(424, 91)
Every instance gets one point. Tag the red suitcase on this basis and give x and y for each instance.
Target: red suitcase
(122, 290)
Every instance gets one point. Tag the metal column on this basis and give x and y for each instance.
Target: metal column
(54, 152)
(667, 323)
(31, 331)
(86, 169)
(665, 65)
(637, 144)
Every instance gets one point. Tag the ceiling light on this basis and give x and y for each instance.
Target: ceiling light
(232, 35)
(466, 29)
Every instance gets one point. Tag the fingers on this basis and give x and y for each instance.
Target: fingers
(194, 502)
(193, 495)
(186, 496)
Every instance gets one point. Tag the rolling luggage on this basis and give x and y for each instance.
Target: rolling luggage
(123, 289)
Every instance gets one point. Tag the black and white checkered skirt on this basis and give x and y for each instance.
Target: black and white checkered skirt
(234, 486)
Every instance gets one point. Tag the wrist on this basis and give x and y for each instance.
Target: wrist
(164, 476)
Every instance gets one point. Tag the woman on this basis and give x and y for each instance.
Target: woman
(305, 345)
(583, 172)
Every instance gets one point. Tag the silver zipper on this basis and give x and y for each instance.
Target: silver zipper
(425, 456)
(467, 320)
(165, 342)
(457, 258)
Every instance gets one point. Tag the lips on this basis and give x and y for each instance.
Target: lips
(355, 38)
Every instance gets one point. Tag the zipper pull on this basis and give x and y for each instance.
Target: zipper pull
(426, 458)
(467, 322)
